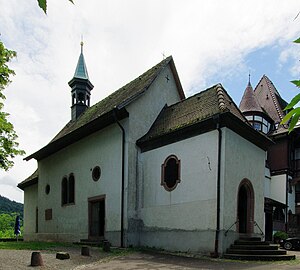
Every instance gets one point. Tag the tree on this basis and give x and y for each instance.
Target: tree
(294, 113)
(43, 4)
(8, 137)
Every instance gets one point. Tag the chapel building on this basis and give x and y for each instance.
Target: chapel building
(147, 166)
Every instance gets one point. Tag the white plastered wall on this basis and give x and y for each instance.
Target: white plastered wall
(242, 160)
(30, 206)
(191, 206)
(142, 114)
(278, 188)
(70, 222)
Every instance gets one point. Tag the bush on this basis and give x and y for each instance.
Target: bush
(279, 236)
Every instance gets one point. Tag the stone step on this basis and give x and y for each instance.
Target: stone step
(255, 247)
(245, 242)
(254, 238)
(259, 257)
(256, 252)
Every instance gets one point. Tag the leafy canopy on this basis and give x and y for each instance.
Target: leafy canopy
(8, 137)
(294, 113)
(43, 4)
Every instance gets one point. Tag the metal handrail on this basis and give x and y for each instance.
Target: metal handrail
(255, 224)
(230, 228)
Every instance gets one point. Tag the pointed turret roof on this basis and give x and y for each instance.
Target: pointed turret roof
(270, 99)
(249, 101)
(81, 70)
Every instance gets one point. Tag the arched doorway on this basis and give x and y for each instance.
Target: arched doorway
(245, 207)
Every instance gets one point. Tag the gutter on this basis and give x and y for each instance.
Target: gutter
(217, 235)
(123, 174)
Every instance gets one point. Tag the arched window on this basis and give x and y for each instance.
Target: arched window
(64, 191)
(71, 188)
(68, 190)
(170, 173)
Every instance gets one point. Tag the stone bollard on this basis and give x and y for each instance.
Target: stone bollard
(62, 255)
(36, 259)
(85, 251)
(106, 246)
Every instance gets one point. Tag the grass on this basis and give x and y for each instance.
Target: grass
(34, 245)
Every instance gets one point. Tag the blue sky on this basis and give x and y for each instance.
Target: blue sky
(211, 42)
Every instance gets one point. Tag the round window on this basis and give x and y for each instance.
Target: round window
(47, 189)
(96, 173)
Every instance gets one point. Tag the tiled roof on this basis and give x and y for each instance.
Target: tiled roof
(32, 179)
(117, 99)
(269, 99)
(249, 101)
(192, 110)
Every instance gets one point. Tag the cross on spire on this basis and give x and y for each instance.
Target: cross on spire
(81, 44)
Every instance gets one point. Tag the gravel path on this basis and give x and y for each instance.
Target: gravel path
(20, 259)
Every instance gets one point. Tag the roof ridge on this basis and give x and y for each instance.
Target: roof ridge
(190, 97)
(220, 96)
(273, 97)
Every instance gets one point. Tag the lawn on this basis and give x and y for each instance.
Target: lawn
(35, 245)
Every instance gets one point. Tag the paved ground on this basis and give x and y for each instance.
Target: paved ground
(20, 259)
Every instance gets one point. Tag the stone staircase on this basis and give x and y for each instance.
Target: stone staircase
(252, 248)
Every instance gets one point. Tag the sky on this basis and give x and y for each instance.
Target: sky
(211, 42)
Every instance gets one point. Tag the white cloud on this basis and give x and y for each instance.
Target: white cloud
(122, 39)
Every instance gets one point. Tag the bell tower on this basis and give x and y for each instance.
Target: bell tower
(81, 88)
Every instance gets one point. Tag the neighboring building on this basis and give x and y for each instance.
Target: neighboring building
(148, 167)
(264, 109)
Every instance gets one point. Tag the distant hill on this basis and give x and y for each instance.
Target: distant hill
(8, 206)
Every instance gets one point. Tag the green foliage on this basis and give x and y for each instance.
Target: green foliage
(34, 245)
(8, 137)
(294, 114)
(280, 235)
(297, 40)
(7, 206)
(7, 225)
(5, 72)
(8, 212)
(43, 4)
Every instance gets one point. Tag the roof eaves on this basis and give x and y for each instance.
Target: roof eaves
(31, 180)
(77, 134)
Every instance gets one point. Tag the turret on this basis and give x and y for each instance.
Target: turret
(81, 88)
(253, 112)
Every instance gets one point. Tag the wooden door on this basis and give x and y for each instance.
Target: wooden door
(96, 218)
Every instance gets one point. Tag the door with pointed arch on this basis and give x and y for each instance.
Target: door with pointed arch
(245, 207)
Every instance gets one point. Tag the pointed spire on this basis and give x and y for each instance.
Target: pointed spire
(81, 70)
(249, 100)
(81, 88)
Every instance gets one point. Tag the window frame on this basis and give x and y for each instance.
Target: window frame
(68, 190)
(163, 173)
